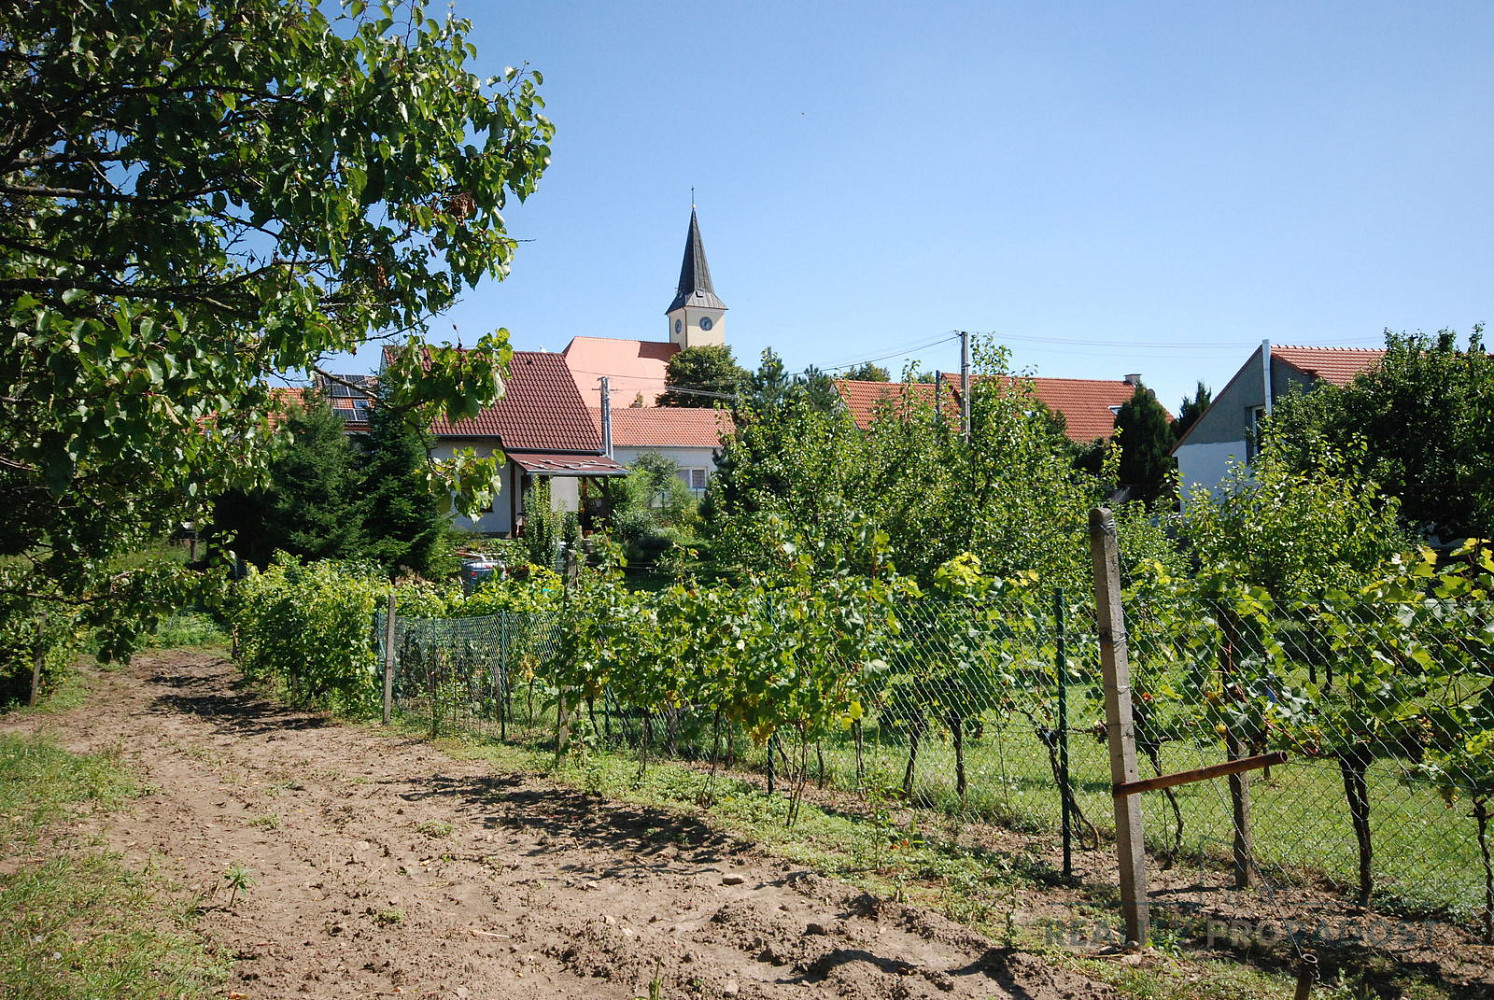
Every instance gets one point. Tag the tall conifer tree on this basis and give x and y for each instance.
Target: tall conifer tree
(1145, 445)
(406, 511)
(310, 505)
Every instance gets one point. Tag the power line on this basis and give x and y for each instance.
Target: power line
(1154, 345)
(897, 352)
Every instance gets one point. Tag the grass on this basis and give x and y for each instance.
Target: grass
(1426, 856)
(435, 828)
(923, 861)
(77, 922)
(189, 630)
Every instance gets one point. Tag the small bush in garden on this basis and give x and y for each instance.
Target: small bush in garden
(307, 627)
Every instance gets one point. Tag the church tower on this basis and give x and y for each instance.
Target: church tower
(696, 316)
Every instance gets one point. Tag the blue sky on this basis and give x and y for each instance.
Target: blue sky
(1106, 188)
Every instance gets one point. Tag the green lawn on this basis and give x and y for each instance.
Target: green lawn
(76, 921)
(1426, 855)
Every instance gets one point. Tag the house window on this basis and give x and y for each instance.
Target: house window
(695, 479)
(1254, 417)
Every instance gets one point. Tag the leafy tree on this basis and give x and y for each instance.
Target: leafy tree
(309, 505)
(195, 194)
(1296, 534)
(406, 512)
(1425, 417)
(710, 369)
(1191, 408)
(546, 529)
(1145, 440)
(1008, 494)
(868, 372)
(652, 487)
(651, 508)
(790, 457)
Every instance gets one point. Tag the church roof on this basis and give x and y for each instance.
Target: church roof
(637, 369)
(695, 274)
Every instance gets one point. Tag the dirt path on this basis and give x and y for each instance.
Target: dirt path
(382, 867)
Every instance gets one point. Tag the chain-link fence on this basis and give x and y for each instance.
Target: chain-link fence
(992, 712)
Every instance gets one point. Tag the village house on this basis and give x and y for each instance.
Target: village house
(543, 430)
(1225, 435)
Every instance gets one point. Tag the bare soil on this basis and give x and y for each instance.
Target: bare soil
(382, 867)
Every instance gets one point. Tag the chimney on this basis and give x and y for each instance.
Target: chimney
(1133, 379)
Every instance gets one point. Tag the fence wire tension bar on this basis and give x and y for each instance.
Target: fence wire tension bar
(1200, 773)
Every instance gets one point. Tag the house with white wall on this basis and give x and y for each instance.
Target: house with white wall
(543, 430)
(1225, 435)
(690, 437)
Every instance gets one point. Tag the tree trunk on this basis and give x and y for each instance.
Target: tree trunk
(798, 781)
(648, 742)
(1353, 762)
(956, 723)
(36, 673)
(915, 736)
(1239, 784)
(858, 735)
(1153, 752)
(1089, 837)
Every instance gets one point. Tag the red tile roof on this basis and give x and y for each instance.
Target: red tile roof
(540, 410)
(666, 427)
(282, 398)
(864, 399)
(635, 368)
(1085, 403)
(1336, 365)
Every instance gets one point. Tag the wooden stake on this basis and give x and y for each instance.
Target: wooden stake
(389, 660)
(36, 671)
(1110, 619)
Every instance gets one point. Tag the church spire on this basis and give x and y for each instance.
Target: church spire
(694, 288)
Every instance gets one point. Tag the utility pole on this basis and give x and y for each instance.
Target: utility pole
(606, 416)
(965, 384)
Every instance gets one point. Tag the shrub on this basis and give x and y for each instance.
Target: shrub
(307, 628)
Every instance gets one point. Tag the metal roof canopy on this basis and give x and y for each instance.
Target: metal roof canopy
(580, 466)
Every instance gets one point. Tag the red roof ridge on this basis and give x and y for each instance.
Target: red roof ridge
(1315, 347)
